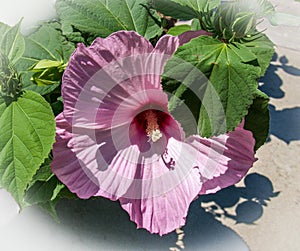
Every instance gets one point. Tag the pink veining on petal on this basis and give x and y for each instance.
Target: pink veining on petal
(66, 164)
(224, 160)
(167, 210)
(86, 62)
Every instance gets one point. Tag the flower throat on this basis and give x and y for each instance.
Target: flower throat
(152, 127)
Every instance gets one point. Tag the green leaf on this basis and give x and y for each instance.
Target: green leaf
(1, 102)
(44, 64)
(177, 30)
(44, 173)
(45, 45)
(3, 29)
(263, 48)
(196, 25)
(184, 9)
(50, 208)
(199, 5)
(101, 17)
(243, 23)
(174, 9)
(46, 190)
(258, 119)
(27, 134)
(219, 105)
(41, 192)
(12, 43)
(50, 205)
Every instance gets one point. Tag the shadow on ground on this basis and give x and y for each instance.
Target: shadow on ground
(271, 82)
(255, 195)
(285, 124)
(105, 226)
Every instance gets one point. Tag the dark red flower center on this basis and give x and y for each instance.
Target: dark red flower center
(151, 122)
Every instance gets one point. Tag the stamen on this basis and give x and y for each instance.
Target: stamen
(152, 127)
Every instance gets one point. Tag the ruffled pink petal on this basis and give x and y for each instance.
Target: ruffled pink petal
(107, 159)
(172, 189)
(94, 71)
(67, 166)
(90, 162)
(224, 160)
(155, 186)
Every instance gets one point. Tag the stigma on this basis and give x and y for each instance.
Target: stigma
(154, 135)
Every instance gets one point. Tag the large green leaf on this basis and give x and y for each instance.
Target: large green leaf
(102, 17)
(46, 43)
(219, 105)
(258, 119)
(12, 43)
(263, 48)
(27, 134)
(184, 9)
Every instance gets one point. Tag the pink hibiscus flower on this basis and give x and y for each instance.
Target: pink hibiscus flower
(116, 138)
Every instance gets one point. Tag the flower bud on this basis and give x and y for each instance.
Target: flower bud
(47, 72)
(10, 84)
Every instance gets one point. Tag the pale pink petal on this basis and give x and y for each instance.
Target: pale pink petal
(224, 160)
(83, 160)
(67, 166)
(155, 186)
(173, 186)
(94, 71)
(128, 158)
(108, 160)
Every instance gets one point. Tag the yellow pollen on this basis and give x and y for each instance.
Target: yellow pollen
(152, 127)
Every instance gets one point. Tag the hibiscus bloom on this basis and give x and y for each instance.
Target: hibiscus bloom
(116, 138)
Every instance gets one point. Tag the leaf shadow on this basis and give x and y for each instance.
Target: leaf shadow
(271, 82)
(247, 202)
(285, 124)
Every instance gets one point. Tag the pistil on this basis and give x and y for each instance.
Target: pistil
(152, 127)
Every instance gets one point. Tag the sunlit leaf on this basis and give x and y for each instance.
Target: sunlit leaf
(101, 18)
(27, 134)
(219, 105)
(12, 43)
(47, 44)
